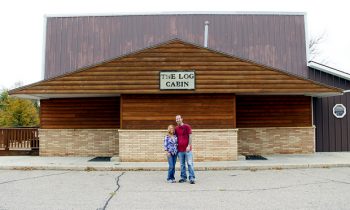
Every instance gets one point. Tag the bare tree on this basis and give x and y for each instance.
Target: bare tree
(314, 48)
(18, 84)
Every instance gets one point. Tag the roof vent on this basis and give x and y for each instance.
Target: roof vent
(206, 28)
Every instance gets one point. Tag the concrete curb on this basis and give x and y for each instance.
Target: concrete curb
(161, 168)
(274, 162)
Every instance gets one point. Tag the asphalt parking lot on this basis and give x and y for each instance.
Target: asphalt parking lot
(326, 188)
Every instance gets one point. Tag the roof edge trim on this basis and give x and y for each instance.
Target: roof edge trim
(178, 13)
(329, 70)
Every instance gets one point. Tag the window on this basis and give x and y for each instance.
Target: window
(339, 110)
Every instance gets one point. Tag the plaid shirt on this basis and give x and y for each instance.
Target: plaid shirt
(170, 144)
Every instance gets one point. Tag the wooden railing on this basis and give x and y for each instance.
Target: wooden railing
(19, 138)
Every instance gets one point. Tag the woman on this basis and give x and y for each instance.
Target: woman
(170, 148)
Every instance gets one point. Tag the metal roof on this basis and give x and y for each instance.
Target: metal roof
(273, 39)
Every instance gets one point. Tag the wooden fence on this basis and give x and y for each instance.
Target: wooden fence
(19, 141)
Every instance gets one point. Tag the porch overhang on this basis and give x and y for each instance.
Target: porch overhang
(48, 96)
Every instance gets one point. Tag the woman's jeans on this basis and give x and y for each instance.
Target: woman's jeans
(186, 157)
(171, 170)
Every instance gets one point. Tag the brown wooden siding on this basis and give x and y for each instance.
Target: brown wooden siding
(139, 73)
(271, 39)
(332, 134)
(159, 111)
(273, 111)
(80, 113)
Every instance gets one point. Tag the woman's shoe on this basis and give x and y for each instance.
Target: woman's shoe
(182, 180)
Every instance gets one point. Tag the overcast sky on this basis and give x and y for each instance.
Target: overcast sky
(22, 24)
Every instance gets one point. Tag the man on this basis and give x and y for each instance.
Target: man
(183, 132)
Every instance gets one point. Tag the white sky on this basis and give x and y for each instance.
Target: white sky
(22, 24)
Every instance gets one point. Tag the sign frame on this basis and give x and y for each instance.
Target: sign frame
(174, 71)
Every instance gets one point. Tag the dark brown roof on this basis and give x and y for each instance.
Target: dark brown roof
(273, 40)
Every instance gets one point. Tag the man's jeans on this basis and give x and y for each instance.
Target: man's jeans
(186, 157)
(171, 170)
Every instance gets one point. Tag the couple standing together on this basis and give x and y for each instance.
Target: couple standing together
(178, 142)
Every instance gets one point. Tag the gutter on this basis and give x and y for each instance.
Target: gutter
(329, 70)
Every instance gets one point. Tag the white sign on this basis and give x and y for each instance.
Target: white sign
(177, 80)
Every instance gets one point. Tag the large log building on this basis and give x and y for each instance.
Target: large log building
(114, 83)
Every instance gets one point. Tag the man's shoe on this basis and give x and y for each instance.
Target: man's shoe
(182, 180)
(192, 182)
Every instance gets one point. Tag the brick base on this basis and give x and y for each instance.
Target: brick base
(283, 140)
(78, 142)
(147, 145)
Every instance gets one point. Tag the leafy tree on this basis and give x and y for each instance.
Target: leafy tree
(16, 112)
(3, 99)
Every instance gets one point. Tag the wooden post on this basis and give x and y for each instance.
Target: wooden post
(121, 112)
(234, 111)
(6, 139)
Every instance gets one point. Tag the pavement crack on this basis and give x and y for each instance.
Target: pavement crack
(35, 177)
(330, 180)
(337, 181)
(278, 188)
(113, 193)
(240, 190)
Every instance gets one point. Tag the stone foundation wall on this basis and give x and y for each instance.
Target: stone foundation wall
(277, 140)
(78, 142)
(147, 145)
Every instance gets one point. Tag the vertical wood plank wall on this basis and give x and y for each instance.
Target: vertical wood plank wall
(80, 113)
(201, 111)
